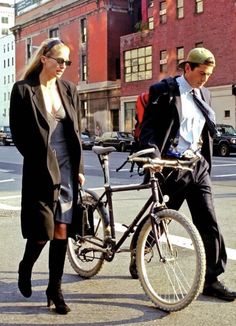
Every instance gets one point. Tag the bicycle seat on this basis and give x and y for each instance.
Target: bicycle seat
(99, 150)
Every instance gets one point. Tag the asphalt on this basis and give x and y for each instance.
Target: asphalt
(112, 297)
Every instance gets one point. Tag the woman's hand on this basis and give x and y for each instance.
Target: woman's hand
(81, 179)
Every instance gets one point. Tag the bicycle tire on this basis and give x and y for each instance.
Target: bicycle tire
(174, 282)
(88, 264)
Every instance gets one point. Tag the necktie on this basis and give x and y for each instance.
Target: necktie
(207, 112)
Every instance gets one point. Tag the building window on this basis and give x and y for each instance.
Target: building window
(4, 48)
(179, 9)
(163, 12)
(5, 80)
(8, 62)
(12, 61)
(83, 27)
(129, 116)
(117, 68)
(227, 113)
(28, 48)
(198, 6)
(84, 68)
(138, 64)
(4, 20)
(84, 108)
(163, 61)
(12, 78)
(5, 31)
(54, 32)
(150, 23)
(199, 44)
(4, 63)
(115, 119)
(179, 55)
(150, 3)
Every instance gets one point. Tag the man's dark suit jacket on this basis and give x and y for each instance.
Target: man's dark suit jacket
(161, 121)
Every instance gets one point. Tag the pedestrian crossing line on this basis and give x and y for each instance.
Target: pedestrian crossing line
(224, 175)
(182, 242)
(9, 207)
(10, 197)
(7, 180)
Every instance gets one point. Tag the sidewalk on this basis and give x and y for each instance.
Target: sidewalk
(112, 297)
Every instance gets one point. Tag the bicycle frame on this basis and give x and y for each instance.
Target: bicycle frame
(154, 200)
(170, 272)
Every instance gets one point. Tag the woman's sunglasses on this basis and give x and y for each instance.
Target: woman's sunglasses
(61, 61)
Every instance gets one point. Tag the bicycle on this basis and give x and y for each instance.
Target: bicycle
(168, 250)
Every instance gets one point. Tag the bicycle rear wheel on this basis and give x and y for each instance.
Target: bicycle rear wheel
(172, 279)
(83, 253)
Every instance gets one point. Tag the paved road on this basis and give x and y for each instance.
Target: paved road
(112, 297)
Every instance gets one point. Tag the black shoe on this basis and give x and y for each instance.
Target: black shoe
(54, 296)
(24, 280)
(220, 291)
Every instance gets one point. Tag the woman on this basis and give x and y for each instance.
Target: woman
(44, 120)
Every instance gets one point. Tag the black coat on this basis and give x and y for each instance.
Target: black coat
(161, 121)
(41, 175)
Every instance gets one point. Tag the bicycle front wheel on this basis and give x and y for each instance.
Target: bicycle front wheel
(171, 271)
(84, 254)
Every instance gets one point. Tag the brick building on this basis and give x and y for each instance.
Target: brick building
(168, 31)
(120, 47)
(92, 29)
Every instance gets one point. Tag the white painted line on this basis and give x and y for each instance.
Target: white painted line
(9, 208)
(228, 164)
(5, 171)
(224, 175)
(10, 197)
(186, 243)
(181, 241)
(121, 170)
(231, 253)
(7, 180)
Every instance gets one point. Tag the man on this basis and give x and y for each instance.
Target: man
(181, 127)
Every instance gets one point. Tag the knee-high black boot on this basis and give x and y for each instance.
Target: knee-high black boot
(31, 254)
(57, 254)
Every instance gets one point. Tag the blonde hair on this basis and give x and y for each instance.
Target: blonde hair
(35, 65)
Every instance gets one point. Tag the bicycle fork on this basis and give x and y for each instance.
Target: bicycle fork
(159, 227)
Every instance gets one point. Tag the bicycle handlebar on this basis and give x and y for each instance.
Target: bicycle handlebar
(158, 164)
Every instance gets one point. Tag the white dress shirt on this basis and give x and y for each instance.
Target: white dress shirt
(190, 117)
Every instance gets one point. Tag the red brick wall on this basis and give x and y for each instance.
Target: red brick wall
(215, 27)
(115, 29)
(97, 47)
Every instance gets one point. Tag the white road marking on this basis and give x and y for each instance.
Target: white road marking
(10, 197)
(9, 207)
(224, 175)
(180, 241)
(7, 180)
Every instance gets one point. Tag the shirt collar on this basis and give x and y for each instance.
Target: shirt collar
(184, 86)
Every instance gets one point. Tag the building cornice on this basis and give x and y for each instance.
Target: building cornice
(98, 87)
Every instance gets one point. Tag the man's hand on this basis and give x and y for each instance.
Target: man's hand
(81, 178)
